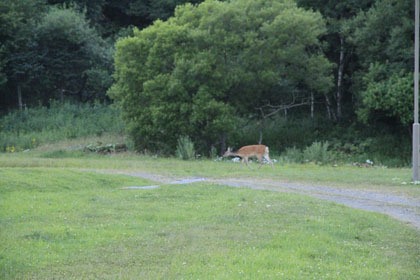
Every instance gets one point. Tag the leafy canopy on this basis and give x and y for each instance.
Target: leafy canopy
(197, 72)
(384, 39)
(73, 56)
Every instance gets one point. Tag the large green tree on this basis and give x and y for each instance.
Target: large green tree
(212, 63)
(50, 53)
(74, 60)
(384, 39)
(17, 23)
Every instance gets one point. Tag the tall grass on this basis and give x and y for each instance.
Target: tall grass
(21, 130)
(185, 148)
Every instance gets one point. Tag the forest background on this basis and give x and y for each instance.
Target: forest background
(337, 75)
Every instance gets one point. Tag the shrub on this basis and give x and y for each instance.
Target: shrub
(185, 148)
(213, 153)
(318, 153)
(167, 89)
(292, 155)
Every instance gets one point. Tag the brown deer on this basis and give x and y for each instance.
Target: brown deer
(258, 151)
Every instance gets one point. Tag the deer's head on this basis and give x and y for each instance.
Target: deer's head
(228, 152)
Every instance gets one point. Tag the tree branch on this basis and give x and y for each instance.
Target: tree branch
(276, 108)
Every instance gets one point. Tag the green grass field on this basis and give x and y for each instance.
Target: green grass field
(395, 180)
(60, 219)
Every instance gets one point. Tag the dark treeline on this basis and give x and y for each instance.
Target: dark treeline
(63, 50)
(344, 64)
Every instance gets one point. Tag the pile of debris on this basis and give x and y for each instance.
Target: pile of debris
(105, 148)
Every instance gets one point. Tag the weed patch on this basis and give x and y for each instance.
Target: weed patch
(27, 129)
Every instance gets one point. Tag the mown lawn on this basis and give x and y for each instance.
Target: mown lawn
(62, 223)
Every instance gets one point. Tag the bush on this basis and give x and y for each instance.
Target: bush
(185, 148)
(167, 89)
(292, 155)
(318, 153)
(213, 153)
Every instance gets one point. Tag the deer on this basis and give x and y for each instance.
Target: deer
(258, 151)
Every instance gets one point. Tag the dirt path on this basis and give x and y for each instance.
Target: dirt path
(397, 206)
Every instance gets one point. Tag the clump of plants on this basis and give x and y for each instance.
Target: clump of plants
(292, 155)
(185, 148)
(105, 148)
(317, 152)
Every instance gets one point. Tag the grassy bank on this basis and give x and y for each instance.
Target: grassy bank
(60, 223)
(30, 128)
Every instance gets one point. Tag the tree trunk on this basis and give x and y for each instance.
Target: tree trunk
(62, 95)
(260, 131)
(331, 115)
(340, 79)
(19, 93)
(312, 105)
(223, 143)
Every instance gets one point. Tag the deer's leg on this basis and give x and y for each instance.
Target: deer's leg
(246, 161)
(261, 162)
(269, 160)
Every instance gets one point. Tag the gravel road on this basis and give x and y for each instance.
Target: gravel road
(397, 206)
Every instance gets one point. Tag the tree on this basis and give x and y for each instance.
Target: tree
(110, 17)
(340, 50)
(17, 23)
(384, 39)
(50, 54)
(195, 73)
(74, 60)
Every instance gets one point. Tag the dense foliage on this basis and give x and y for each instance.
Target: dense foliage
(384, 39)
(223, 72)
(198, 72)
(58, 56)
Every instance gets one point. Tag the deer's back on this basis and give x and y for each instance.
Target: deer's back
(253, 150)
